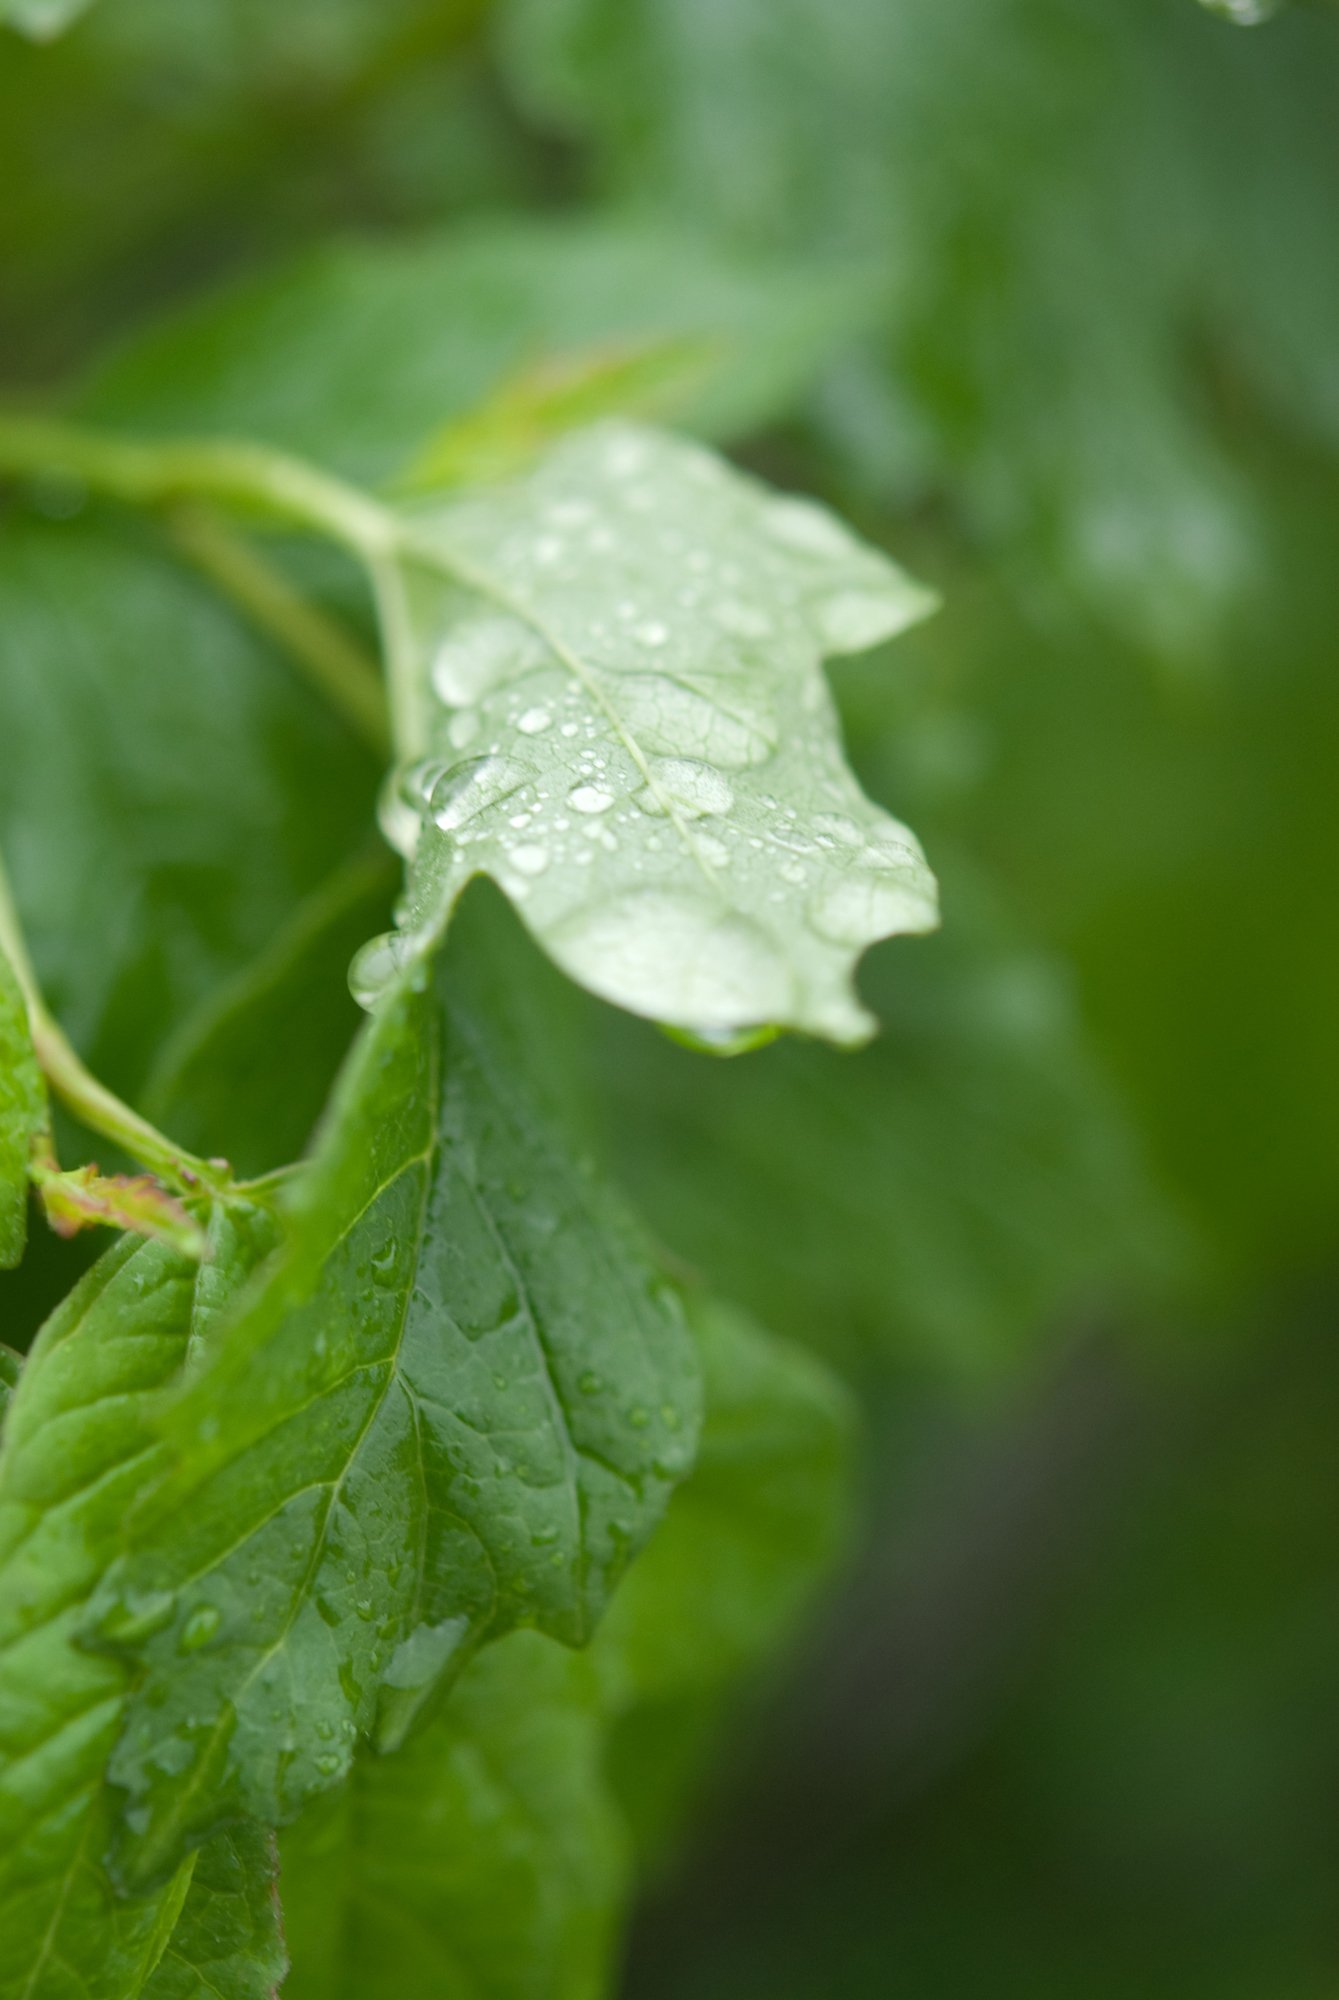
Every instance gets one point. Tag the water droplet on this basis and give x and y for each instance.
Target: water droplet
(199, 1628)
(639, 1416)
(589, 799)
(534, 721)
(329, 1764)
(651, 632)
(530, 859)
(378, 967)
(383, 1262)
(714, 852)
(590, 1384)
(675, 956)
(464, 791)
(692, 787)
(839, 827)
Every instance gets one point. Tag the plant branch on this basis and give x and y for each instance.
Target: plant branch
(91, 1102)
(330, 660)
(247, 476)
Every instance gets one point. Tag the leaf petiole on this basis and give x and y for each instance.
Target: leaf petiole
(250, 477)
(89, 1099)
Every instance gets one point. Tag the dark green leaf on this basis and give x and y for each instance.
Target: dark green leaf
(486, 1861)
(228, 1943)
(11, 1365)
(248, 1072)
(957, 1188)
(161, 819)
(625, 722)
(457, 1402)
(22, 1115)
(520, 1848)
(77, 1448)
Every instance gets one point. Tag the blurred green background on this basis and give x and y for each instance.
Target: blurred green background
(1044, 295)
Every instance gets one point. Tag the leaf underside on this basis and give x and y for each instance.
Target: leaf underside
(625, 722)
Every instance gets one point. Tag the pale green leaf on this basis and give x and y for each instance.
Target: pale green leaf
(228, 1943)
(458, 1402)
(22, 1115)
(625, 722)
(487, 1860)
(963, 1188)
(77, 1447)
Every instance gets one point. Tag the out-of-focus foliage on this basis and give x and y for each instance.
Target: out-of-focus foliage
(1084, 213)
(1042, 295)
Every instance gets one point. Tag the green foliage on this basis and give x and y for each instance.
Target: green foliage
(41, 18)
(388, 1500)
(527, 1802)
(357, 353)
(1042, 267)
(454, 1402)
(22, 1115)
(650, 765)
(228, 1943)
(78, 1447)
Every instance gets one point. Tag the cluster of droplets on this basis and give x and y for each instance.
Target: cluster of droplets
(604, 737)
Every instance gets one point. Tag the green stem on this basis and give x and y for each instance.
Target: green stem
(334, 664)
(247, 476)
(91, 1102)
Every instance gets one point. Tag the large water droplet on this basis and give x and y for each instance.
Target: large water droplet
(465, 790)
(692, 787)
(200, 1628)
(378, 966)
(838, 827)
(675, 957)
(589, 799)
(530, 858)
(535, 721)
